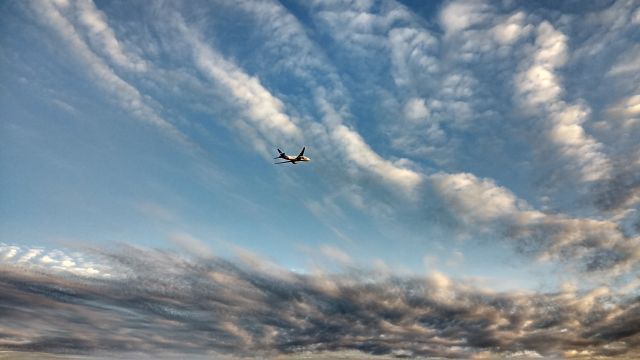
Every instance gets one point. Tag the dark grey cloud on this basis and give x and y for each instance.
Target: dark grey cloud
(158, 302)
(621, 191)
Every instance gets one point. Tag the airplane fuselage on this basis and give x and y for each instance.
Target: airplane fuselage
(296, 158)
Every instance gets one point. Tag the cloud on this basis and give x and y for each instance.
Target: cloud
(415, 109)
(306, 60)
(539, 89)
(289, 46)
(460, 15)
(264, 111)
(359, 152)
(621, 192)
(482, 31)
(423, 64)
(103, 37)
(593, 245)
(630, 107)
(39, 259)
(125, 94)
(164, 303)
(412, 52)
(439, 98)
(627, 63)
(511, 30)
(335, 254)
(191, 244)
(479, 199)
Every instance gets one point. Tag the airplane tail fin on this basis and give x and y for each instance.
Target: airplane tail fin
(280, 154)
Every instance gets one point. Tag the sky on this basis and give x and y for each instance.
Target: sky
(473, 189)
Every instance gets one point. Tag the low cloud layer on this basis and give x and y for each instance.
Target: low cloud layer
(155, 301)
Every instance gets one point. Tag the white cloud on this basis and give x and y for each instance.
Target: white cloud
(262, 264)
(367, 33)
(289, 48)
(628, 62)
(361, 154)
(103, 37)
(477, 200)
(53, 260)
(460, 15)
(439, 281)
(415, 109)
(125, 94)
(61, 3)
(355, 148)
(512, 29)
(629, 106)
(539, 89)
(551, 46)
(411, 52)
(335, 254)
(30, 254)
(539, 85)
(8, 252)
(264, 111)
(356, 26)
(191, 244)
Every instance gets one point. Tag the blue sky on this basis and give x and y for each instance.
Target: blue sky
(489, 144)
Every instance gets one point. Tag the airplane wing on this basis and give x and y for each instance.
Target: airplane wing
(301, 152)
(284, 162)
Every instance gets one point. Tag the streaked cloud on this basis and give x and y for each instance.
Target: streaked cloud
(104, 38)
(125, 94)
(265, 111)
(170, 304)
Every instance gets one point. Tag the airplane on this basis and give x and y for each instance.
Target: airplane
(291, 159)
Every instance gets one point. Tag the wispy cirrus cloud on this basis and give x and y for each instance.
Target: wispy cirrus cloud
(103, 38)
(162, 302)
(52, 14)
(265, 111)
